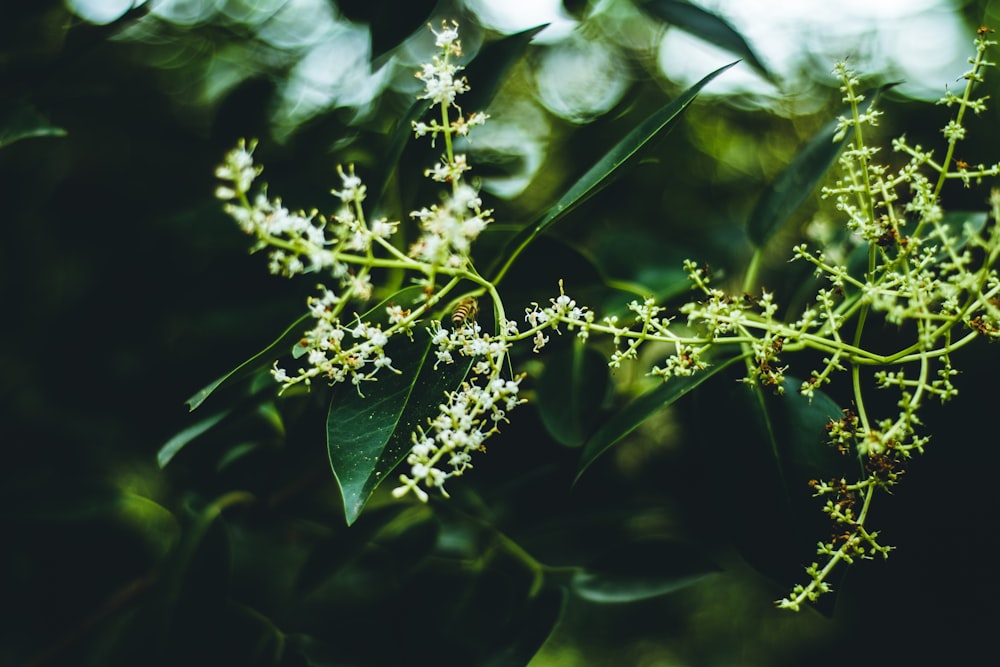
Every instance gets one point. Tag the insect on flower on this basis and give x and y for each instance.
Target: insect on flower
(464, 311)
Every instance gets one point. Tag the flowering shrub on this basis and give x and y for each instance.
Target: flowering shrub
(901, 259)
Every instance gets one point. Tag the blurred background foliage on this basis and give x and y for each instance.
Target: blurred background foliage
(125, 289)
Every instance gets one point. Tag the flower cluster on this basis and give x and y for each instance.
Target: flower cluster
(470, 415)
(343, 346)
(924, 268)
(912, 263)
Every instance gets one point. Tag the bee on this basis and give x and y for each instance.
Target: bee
(465, 310)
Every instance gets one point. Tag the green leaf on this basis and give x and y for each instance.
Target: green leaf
(961, 225)
(19, 120)
(764, 452)
(570, 392)
(531, 627)
(262, 359)
(708, 26)
(599, 175)
(367, 437)
(641, 571)
(799, 179)
(170, 449)
(492, 64)
(795, 184)
(628, 419)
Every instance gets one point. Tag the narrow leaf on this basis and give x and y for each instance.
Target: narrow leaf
(708, 26)
(170, 449)
(641, 571)
(260, 360)
(599, 175)
(19, 120)
(628, 419)
(795, 184)
(799, 179)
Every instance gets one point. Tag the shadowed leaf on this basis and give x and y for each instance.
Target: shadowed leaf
(641, 571)
(708, 26)
(628, 419)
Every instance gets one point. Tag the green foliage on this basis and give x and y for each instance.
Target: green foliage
(644, 449)
(19, 120)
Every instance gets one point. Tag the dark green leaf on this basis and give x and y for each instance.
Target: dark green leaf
(799, 179)
(531, 629)
(262, 359)
(641, 571)
(795, 184)
(176, 443)
(571, 389)
(628, 419)
(599, 175)
(488, 71)
(367, 437)
(388, 29)
(764, 452)
(709, 27)
(19, 120)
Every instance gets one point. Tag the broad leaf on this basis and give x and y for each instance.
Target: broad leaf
(708, 26)
(261, 360)
(628, 419)
(570, 392)
(799, 179)
(368, 436)
(641, 571)
(599, 175)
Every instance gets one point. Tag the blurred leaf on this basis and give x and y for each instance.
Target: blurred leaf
(641, 571)
(488, 71)
(19, 120)
(708, 26)
(799, 179)
(961, 225)
(367, 437)
(192, 590)
(492, 64)
(643, 262)
(571, 390)
(262, 359)
(534, 624)
(388, 27)
(795, 184)
(765, 451)
(176, 443)
(642, 408)
(599, 175)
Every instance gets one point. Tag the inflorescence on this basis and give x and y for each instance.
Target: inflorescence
(917, 270)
